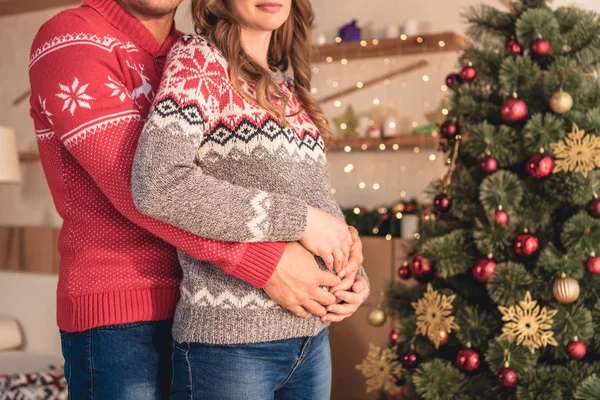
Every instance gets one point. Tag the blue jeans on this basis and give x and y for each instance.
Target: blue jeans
(292, 369)
(119, 362)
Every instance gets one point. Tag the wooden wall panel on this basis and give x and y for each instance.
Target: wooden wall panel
(29, 249)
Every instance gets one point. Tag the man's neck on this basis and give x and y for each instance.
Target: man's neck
(256, 45)
(159, 26)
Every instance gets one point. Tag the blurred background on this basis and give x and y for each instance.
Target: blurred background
(382, 83)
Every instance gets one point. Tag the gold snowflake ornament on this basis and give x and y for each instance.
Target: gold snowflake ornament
(530, 324)
(434, 315)
(578, 152)
(381, 369)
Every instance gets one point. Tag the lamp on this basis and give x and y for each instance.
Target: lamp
(9, 158)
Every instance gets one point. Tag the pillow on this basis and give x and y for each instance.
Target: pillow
(10, 334)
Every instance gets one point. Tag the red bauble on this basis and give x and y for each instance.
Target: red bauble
(484, 269)
(468, 73)
(512, 46)
(421, 268)
(539, 165)
(453, 79)
(501, 217)
(410, 207)
(404, 272)
(508, 377)
(449, 130)
(576, 349)
(594, 207)
(393, 336)
(488, 164)
(513, 110)
(410, 359)
(442, 203)
(526, 245)
(541, 47)
(467, 360)
(593, 264)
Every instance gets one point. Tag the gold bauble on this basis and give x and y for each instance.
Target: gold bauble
(561, 102)
(443, 337)
(376, 317)
(399, 207)
(565, 290)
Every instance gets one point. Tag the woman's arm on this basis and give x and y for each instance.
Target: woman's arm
(167, 183)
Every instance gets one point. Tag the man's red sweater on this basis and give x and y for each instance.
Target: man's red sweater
(94, 71)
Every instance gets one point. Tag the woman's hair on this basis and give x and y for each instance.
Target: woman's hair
(290, 47)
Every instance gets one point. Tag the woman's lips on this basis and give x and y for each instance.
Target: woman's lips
(270, 7)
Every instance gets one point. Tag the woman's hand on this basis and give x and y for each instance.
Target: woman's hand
(351, 301)
(328, 238)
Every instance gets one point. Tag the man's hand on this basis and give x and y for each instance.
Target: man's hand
(351, 301)
(297, 280)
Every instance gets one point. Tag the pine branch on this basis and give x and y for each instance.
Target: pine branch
(501, 189)
(581, 232)
(452, 254)
(589, 389)
(509, 283)
(438, 380)
(538, 23)
(521, 358)
(477, 326)
(541, 130)
(549, 380)
(502, 142)
(493, 239)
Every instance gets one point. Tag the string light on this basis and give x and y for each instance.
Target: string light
(392, 125)
(338, 103)
(335, 84)
(376, 101)
(415, 124)
(417, 236)
(416, 150)
(399, 215)
(445, 111)
(403, 194)
(314, 90)
(382, 147)
(441, 43)
(425, 78)
(348, 168)
(347, 149)
(315, 70)
(395, 146)
(364, 146)
(343, 126)
(363, 43)
(403, 37)
(371, 122)
(375, 230)
(362, 185)
(356, 210)
(338, 39)
(419, 40)
(376, 186)
(388, 237)
(329, 59)
(359, 85)
(434, 133)
(444, 88)
(375, 42)
(432, 157)
(344, 61)
(333, 191)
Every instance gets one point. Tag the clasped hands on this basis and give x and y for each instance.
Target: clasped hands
(297, 281)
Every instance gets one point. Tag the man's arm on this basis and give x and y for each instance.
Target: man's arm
(99, 124)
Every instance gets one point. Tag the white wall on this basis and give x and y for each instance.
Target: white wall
(396, 172)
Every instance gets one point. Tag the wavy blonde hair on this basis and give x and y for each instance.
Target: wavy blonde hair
(290, 47)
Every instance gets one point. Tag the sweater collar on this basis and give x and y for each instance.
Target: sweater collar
(121, 19)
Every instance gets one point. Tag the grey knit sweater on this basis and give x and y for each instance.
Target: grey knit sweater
(220, 167)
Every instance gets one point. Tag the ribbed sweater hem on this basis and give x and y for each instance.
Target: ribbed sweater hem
(238, 326)
(81, 313)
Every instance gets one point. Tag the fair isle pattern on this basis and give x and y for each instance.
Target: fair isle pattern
(226, 299)
(43, 134)
(99, 125)
(259, 225)
(107, 43)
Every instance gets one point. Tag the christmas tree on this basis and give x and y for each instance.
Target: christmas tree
(507, 304)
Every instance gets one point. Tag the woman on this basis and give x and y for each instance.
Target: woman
(234, 150)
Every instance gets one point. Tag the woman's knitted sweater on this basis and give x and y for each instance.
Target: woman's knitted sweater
(214, 164)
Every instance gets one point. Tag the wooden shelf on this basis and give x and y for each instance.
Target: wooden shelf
(421, 44)
(401, 142)
(28, 157)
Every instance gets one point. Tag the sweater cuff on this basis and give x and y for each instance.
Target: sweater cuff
(259, 262)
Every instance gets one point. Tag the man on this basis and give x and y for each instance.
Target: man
(94, 71)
